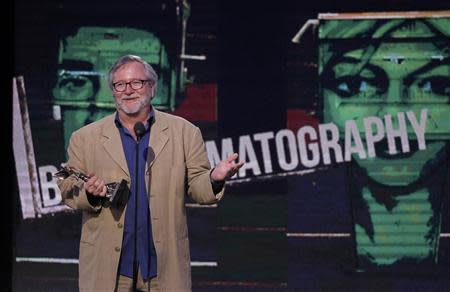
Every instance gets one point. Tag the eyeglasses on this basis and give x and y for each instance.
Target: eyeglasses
(136, 84)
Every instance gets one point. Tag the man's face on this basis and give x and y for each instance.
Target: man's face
(386, 79)
(132, 101)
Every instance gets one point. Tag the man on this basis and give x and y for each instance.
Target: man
(172, 160)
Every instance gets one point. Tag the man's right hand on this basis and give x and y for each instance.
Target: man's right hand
(95, 186)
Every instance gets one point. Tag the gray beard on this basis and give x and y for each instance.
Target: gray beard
(142, 103)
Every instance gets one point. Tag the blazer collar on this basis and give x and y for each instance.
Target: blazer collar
(113, 144)
(158, 137)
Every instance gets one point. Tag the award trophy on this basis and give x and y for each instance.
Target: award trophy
(116, 193)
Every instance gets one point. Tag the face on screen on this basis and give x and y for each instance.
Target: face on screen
(382, 77)
(374, 68)
(81, 90)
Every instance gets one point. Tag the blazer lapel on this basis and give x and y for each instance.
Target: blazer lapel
(158, 138)
(113, 145)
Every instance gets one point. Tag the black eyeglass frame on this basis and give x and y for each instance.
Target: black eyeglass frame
(142, 83)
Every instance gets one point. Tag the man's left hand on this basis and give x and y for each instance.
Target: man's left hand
(226, 168)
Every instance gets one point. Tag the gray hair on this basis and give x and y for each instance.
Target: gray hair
(149, 71)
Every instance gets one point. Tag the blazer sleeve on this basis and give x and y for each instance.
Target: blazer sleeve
(198, 170)
(72, 189)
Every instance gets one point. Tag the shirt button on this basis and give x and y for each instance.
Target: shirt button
(117, 248)
(119, 225)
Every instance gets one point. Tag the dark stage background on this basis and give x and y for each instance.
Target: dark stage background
(254, 80)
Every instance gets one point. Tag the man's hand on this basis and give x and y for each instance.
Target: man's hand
(95, 186)
(226, 168)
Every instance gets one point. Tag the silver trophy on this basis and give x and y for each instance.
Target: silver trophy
(116, 193)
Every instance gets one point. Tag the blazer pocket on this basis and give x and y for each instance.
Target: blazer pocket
(90, 230)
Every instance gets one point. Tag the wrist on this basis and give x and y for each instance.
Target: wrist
(211, 178)
(217, 185)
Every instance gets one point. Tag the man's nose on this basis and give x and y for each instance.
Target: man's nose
(396, 93)
(395, 100)
(128, 89)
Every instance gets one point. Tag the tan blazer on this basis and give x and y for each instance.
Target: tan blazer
(176, 164)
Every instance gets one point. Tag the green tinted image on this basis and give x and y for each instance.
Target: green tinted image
(81, 93)
(376, 67)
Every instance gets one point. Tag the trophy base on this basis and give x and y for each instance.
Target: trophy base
(120, 194)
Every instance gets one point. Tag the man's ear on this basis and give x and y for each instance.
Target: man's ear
(153, 91)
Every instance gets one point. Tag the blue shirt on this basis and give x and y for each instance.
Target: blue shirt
(146, 254)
